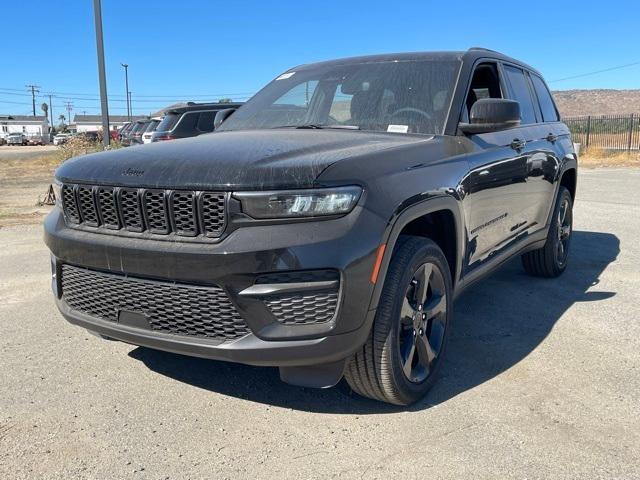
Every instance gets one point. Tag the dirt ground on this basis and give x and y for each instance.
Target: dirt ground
(25, 174)
(541, 381)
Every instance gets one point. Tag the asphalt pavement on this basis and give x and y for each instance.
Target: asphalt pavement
(542, 381)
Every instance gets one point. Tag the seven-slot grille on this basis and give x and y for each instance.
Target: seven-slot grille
(185, 213)
(169, 307)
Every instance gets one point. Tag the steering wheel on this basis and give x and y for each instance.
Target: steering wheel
(412, 110)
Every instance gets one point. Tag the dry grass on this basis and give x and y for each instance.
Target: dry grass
(23, 182)
(597, 157)
(25, 178)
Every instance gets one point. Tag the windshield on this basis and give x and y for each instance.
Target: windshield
(140, 126)
(152, 126)
(386, 96)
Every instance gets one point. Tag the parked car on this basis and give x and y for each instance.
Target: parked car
(61, 138)
(124, 132)
(135, 136)
(327, 225)
(90, 136)
(189, 121)
(17, 139)
(3, 139)
(146, 136)
(35, 140)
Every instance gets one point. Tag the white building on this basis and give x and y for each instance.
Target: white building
(93, 123)
(29, 125)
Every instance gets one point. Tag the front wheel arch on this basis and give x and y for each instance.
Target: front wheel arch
(404, 221)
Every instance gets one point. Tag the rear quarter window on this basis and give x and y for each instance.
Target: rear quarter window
(205, 122)
(547, 107)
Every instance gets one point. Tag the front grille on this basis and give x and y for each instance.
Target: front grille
(184, 213)
(130, 209)
(178, 309)
(108, 208)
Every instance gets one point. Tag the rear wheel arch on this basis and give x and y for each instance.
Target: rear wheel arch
(569, 181)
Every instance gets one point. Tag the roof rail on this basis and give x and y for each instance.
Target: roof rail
(484, 49)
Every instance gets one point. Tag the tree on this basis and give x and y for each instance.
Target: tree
(62, 118)
(225, 100)
(45, 108)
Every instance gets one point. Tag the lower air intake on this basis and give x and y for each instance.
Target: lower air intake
(179, 309)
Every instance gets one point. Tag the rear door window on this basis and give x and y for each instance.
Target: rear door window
(522, 93)
(188, 122)
(547, 107)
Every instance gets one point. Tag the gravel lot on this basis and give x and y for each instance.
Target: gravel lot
(542, 381)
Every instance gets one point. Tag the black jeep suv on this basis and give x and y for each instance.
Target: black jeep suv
(327, 226)
(190, 120)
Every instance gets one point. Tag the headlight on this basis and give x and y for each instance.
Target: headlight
(57, 191)
(299, 203)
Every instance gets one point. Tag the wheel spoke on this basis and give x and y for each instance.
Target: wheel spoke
(426, 355)
(436, 305)
(408, 354)
(422, 276)
(406, 311)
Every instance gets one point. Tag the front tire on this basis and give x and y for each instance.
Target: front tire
(403, 354)
(551, 260)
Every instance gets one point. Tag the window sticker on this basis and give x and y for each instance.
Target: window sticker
(284, 76)
(398, 128)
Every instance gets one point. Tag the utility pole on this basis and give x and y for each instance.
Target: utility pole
(129, 103)
(51, 109)
(104, 103)
(34, 90)
(126, 86)
(68, 106)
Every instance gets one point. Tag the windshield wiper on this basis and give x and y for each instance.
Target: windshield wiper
(317, 126)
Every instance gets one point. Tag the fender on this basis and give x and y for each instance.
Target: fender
(568, 163)
(402, 218)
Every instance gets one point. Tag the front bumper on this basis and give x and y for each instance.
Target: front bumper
(346, 244)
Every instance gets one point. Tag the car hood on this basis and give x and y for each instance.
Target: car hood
(257, 159)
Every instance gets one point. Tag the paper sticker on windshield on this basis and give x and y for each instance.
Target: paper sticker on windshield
(284, 76)
(398, 128)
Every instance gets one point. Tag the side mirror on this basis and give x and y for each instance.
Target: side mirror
(492, 115)
(221, 116)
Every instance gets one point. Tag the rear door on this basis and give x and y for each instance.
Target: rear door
(556, 143)
(494, 205)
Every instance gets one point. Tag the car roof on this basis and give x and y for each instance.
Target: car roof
(468, 56)
(204, 106)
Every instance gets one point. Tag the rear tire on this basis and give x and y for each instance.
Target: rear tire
(403, 354)
(551, 260)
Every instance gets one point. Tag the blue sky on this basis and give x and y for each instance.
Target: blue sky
(204, 50)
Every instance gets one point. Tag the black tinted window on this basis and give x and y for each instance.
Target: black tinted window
(547, 107)
(205, 122)
(168, 122)
(522, 93)
(188, 122)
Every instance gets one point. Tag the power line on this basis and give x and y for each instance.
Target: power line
(595, 72)
(95, 96)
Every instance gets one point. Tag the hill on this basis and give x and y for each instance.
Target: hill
(597, 102)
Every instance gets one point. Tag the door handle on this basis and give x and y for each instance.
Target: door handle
(552, 138)
(518, 144)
